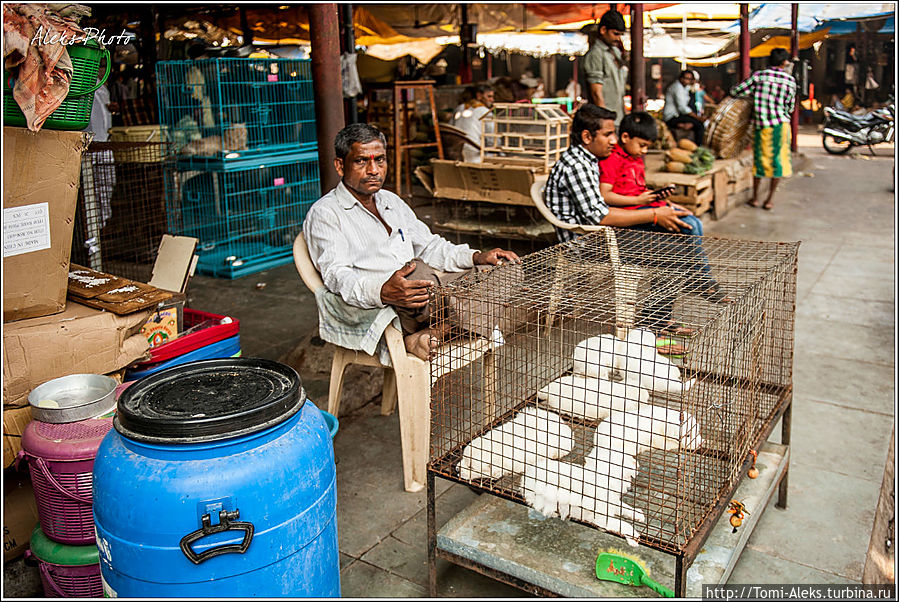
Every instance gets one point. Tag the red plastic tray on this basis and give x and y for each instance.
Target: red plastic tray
(185, 343)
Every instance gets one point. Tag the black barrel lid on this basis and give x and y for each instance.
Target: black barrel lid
(209, 400)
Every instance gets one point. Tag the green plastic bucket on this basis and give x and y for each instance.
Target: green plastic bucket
(75, 111)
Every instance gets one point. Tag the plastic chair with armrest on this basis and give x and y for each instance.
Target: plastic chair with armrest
(406, 383)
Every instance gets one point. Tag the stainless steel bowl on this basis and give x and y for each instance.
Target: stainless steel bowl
(73, 398)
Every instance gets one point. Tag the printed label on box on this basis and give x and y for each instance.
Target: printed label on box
(26, 229)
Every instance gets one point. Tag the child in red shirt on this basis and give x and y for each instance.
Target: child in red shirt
(622, 176)
(622, 183)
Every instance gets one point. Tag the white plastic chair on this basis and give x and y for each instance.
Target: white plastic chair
(406, 383)
(626, 277)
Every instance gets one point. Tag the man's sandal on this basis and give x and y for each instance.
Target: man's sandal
(670, 347)
(714, 294)
(676, 329)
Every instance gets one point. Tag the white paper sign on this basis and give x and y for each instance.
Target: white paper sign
(26, 229)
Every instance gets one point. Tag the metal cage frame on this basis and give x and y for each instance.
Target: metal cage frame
(611, 284)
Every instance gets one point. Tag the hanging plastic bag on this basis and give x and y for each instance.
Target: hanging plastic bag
(350, 75)
(870, 82)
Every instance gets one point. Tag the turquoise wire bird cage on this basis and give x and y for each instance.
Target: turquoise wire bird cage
(245, 219)
(235, 111)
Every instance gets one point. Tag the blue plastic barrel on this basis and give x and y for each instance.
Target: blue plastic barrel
(218, 480)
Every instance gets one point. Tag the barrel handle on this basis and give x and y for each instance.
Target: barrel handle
(48, 579)
(56, 485)
(227, 522)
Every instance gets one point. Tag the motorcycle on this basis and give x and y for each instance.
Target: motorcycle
(843, 130)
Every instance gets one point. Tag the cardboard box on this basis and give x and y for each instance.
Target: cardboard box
(164, 325)
(15, 419)
(39, 194)
(507, 185)
(80, 340)
(19, 514)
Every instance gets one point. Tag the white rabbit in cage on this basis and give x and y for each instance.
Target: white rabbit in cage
(590, 398)
(595, 356)
(566, 490)
(614, 470)
(533, 434)
(635, 360)
(649, 427)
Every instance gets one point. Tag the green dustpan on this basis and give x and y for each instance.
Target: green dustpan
(612, 566)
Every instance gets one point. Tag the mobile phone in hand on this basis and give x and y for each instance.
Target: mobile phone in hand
(664, 192)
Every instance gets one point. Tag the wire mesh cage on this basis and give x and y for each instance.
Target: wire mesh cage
(120, 215)
(525, 134)
(245, 219)
(631, 374)
(235, 109)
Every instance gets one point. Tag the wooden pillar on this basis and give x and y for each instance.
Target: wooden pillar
(794, 54)
(245, 27)
(745, 69)
(327, 88)
(348, 45)
(465, 67)
(638, 66)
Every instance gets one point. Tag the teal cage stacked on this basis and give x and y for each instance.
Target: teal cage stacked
(243, 166)
(235, 110)
(246, 218)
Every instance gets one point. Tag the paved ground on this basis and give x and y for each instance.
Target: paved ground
(844, 373)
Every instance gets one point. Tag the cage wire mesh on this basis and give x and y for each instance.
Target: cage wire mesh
(573, 410)
(221, 109)
(120, 214)
(245, 219)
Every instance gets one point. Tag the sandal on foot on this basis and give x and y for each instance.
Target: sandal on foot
(714, 294)
(676, 329)
(768, 206)
(670, 347)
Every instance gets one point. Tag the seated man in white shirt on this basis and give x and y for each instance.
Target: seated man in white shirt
(373, 251)
(467, 117)
(677, 110)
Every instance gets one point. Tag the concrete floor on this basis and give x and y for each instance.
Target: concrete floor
(842, 209)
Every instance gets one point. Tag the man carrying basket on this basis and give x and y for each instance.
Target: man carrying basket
(772, 92)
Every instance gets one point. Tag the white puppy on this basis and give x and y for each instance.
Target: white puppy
(590, 398)
(567, 490)
(649, 427)
(533, 434)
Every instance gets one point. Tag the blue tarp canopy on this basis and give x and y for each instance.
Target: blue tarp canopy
(844, 27)
(811, 16)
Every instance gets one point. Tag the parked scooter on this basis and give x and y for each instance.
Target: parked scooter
(843, 130)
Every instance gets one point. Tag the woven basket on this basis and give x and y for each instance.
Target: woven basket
(728, 131)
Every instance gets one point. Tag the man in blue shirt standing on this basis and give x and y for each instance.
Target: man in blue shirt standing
(677, 106)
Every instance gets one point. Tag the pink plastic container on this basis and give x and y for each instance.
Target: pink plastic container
(61, 459)
(68, 581)
(61, 581)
